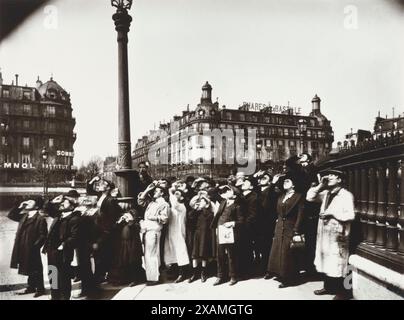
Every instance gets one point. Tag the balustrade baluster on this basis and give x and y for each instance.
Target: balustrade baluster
(371, 231)
(357, 198)
(401, 217)
(381, 207)
(392, 207)
(351, 181)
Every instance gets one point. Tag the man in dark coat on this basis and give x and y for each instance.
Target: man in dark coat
(267, 197)
(247, 247)
(59, 246)
(229, 215)
(30, 237)
(109, 213)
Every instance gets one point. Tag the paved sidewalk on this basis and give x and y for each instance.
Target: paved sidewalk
(253, 289)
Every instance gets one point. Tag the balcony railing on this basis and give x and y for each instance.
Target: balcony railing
(375, 176)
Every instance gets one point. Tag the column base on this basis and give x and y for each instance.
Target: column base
(127, 181)
(372, 281)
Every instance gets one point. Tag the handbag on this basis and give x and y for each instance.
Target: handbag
(298, 242)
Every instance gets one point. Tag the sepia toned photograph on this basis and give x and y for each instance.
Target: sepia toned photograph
(213, 151)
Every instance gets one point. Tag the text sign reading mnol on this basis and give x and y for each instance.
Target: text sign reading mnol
(17, 165)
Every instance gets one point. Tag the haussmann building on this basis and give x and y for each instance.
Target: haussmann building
(36, 121)
(180, 148)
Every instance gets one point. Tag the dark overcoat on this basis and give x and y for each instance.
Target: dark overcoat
(66, 233)
(30, 237)
(283, 260)
(266, 212)
(236, 215)
(200, 221)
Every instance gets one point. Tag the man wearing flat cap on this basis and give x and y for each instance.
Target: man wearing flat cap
(336, 216)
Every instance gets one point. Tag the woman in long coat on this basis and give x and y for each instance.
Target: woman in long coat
(283, 260)
(175, 246)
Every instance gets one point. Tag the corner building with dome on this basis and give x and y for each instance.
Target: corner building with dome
(279, 135)
(35, 121)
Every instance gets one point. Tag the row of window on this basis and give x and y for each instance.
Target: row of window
(36, 125)
(29, 110)
(283, 132)
(26, 94)
(248, 117)
(201, 142)
(26, 142)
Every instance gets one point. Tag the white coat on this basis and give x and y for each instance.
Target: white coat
(175, 247)
(155, 216)
(332, 248)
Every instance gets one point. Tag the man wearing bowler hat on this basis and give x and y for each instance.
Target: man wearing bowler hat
(336, 216)
(30, 237)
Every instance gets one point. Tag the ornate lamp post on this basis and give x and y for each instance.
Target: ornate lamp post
(45, 154)
(124, 162)
(302, 127)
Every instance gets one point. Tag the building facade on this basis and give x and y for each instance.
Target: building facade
(184, 147)
(37, 134)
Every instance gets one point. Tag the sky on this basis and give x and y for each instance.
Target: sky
(348, 52)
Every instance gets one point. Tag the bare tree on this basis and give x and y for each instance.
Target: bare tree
(94, 167)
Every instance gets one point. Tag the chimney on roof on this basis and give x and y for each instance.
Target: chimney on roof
(38, 83)
(16, 79)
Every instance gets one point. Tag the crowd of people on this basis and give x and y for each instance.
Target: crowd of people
(269, 224)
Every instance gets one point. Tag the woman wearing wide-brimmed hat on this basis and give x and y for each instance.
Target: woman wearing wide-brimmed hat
(283, 260)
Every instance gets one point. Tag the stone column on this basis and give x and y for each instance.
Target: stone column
(122, 22)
